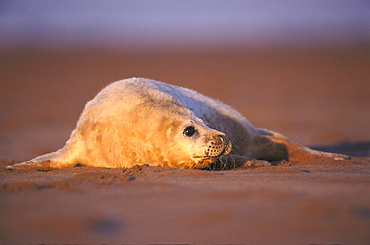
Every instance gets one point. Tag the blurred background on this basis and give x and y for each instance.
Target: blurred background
(180, 23)
(301, 68)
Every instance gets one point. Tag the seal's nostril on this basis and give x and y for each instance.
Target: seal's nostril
(223, 138)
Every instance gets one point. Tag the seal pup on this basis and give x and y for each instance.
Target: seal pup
(140, 121)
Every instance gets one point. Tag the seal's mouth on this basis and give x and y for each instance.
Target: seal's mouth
(214, 149)
(220, 146)
(215, 146)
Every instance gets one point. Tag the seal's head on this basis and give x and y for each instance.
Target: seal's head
(205, 145)
(182, 140)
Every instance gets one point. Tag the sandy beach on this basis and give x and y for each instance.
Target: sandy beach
(317, 96)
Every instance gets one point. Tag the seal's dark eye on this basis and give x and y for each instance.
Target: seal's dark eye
(189, 131)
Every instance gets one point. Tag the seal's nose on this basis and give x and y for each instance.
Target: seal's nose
(223, 138)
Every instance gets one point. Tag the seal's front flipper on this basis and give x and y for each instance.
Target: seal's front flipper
(40, 165)
(232, 161)
(45, 162)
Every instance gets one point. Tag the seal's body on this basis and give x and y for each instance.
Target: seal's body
(141, 121)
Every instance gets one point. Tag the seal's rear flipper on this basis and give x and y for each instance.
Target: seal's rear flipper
(45, 162)
(284, 149)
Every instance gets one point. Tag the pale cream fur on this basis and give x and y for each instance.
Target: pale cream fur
(141, 121)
